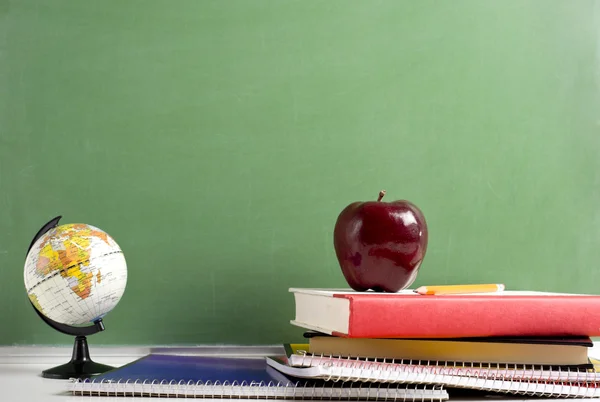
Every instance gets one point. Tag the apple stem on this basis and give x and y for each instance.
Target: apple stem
(381, 194)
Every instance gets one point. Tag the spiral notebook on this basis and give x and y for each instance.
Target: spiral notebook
(534, 381)
(190, 376)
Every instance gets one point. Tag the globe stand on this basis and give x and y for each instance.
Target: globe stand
(80, 365)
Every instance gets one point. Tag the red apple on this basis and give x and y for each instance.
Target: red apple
(380, 245)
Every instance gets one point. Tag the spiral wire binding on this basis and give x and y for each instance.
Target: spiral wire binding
(447, 368)
(500, 378)
(357, 390)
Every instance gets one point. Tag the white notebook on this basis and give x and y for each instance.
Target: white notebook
(525, 381)
(481, 370)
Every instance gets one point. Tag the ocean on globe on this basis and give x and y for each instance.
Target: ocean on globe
(75, 274)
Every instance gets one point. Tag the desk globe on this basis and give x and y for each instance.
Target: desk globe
(74, 275)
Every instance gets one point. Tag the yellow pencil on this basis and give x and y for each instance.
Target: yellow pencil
(458, 289)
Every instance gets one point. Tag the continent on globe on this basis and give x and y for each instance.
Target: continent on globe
(75, 274)
(75, 242)
(36, 303)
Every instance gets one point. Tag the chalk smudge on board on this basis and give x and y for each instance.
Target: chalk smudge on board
(489, 184)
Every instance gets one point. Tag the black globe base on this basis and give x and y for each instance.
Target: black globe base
(80, 366)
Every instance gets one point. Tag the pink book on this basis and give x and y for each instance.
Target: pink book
(405, 314)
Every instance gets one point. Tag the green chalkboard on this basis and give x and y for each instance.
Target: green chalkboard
(217, 141)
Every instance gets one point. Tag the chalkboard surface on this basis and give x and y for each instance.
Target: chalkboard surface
(217, 141)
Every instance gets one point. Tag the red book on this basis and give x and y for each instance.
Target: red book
(409, 315)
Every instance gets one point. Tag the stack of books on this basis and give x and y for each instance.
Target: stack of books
(392, 346)
(528, 343)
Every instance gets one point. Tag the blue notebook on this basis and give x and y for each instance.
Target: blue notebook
(228, 377)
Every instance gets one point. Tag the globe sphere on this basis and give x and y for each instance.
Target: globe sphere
(75, 274)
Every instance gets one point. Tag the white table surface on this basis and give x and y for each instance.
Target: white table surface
(21, 380)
